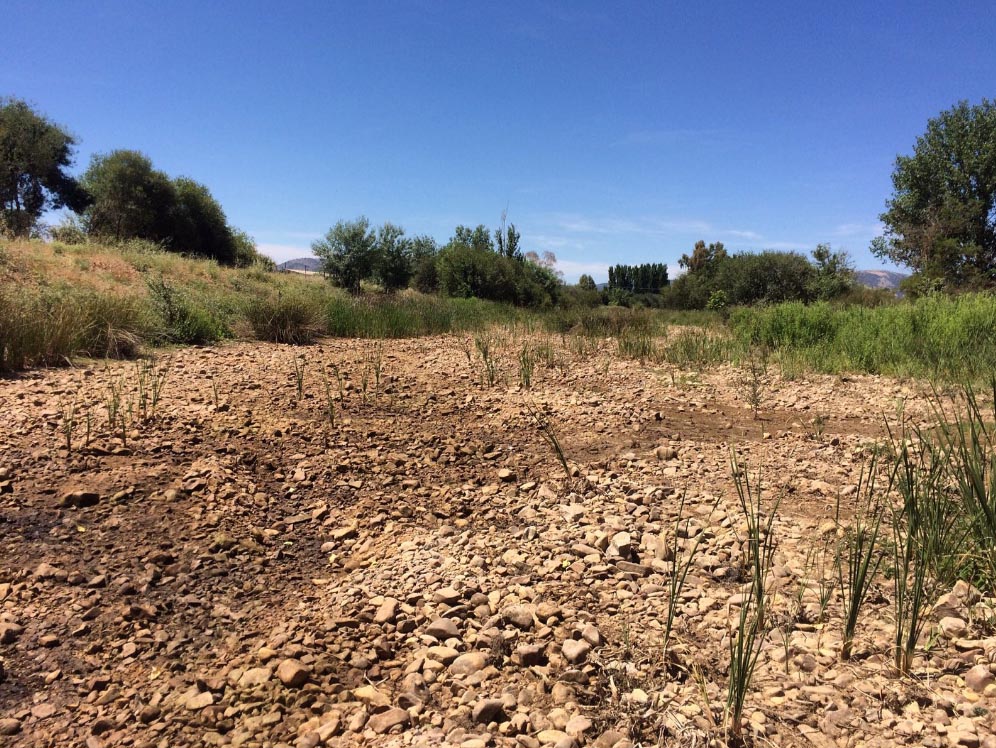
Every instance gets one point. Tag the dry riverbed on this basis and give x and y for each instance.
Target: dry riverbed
(238, 569)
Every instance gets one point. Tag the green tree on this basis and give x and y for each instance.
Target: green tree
(34, 156)
(131, 199)
(425, 252)
(834, 273)
(704, 259)
(348, 253)
(199, 225)
(941, 218)
(507, 240)
(587, 283)
(478, 238)
(393, 263)
(246, 253)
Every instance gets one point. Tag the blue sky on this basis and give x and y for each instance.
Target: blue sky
(612, 132)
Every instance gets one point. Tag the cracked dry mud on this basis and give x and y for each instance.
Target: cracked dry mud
(237, 570)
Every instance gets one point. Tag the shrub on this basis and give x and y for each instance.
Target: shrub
(45, 328)
(182, 320)
(293, 318)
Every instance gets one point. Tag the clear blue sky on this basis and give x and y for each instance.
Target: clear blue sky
(613, 132)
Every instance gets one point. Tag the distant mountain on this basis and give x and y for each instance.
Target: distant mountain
(881, 279)
(302, 264)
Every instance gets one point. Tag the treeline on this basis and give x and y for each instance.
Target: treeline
(715, 279)
(646, 278)
(474, 263)
(120, 197)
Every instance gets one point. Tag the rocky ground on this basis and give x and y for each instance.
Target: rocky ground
(237, 569)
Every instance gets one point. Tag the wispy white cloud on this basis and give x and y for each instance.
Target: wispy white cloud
(858, 229)
(742, 234)
(655, 227)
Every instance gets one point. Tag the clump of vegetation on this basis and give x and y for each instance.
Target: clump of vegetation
(937, 336)
(292, 318)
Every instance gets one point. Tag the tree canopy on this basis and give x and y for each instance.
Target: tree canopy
(941, 218)
(347, 252)
(34, 157)
(133, 200)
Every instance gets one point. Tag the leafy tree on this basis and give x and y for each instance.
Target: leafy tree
(348, 253)
(478, 238)
(34, 156)
(743, 278)
(587, 283)
(199, 225)
(393, 265)
(834, 273)
(941, 219)
(131, 199)
(507, 240)
(424, 252)
(246, 254)
(771, 277)
(704, 259)
(468, 271)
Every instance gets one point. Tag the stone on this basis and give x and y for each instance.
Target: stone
(293, 673)
(577, 726)
(522, 616)
(592, 635)
(385, 721)
(488, 710)
(576, 651)
(952, 627)
(446, 596)
(443, 629)
(445, 655)
(45, 570)
(529, 655)
(978, 678)
(79, 499)
(387, 612)
(10, 726)
(199, 701)
(255, 677)
(608, 739)
(554, 737)
(468, 663)
(9, 632)
(372, 696)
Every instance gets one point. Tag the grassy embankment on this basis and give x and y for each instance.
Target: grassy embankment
(60, 301)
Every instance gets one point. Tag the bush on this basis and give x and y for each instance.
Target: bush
(183, 320)
(465, 271)
(936, 336)
(46, 328)
(293, 318)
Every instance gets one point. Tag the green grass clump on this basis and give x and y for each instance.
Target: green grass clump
(410, 315)
(951, 338)
(47, 327)
(183, 319)
(293, 318)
